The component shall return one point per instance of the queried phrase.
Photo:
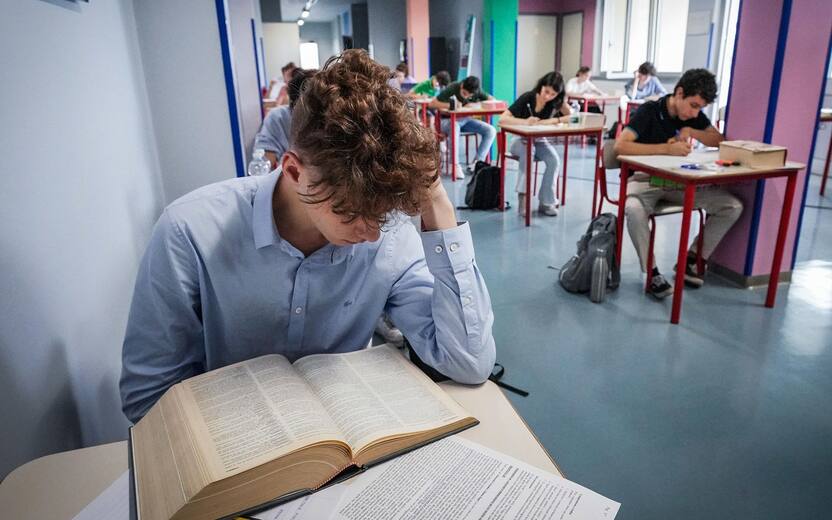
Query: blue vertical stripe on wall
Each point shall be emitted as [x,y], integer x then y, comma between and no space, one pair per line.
[231,95]
[257,68]
[812,150]
[771,112]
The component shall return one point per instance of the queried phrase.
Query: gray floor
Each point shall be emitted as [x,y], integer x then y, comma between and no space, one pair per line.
[726,415]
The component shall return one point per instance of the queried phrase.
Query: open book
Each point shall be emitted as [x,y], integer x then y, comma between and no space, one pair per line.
[263,431]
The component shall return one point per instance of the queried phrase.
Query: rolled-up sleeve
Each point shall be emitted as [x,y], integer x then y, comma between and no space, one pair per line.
[162,344]
[440,302]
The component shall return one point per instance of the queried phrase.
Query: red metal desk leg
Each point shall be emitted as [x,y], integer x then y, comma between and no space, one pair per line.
[565,161]
[681,259]
[529,142]
[785,215]
[501,150]
[622,196]
[826,168]
[453,147]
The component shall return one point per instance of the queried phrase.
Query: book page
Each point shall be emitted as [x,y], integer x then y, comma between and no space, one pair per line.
[375,392]
[460,479]
[257,410]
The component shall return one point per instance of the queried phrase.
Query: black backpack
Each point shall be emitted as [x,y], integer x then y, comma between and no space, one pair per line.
[593,269]
[483,191]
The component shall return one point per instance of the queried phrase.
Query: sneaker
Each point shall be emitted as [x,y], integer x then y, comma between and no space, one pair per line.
[660,288]
[550,210]
[386,329]
[460,172]
[693,279]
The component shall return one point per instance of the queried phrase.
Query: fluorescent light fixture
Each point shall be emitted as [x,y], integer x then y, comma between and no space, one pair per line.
[300,21]
[304,14]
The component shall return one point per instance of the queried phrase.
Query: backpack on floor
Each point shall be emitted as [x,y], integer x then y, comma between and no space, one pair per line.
[593,269]
[483,191]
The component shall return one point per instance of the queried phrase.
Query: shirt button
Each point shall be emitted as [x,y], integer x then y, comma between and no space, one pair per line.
[298,310]
[454,247]
[467,300]
[438,249]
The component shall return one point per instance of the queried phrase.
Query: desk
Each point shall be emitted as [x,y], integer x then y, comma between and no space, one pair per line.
[58,486]
[463,112]
[826,117]
[587,99]
[591,124]
[420,106]
[668,167]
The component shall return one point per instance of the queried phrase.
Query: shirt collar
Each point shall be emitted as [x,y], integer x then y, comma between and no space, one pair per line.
[265,230]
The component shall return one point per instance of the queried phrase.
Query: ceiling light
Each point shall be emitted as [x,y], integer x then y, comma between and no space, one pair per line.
[304,14]
[300,21]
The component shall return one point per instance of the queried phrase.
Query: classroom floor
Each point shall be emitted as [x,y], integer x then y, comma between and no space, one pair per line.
[726,415]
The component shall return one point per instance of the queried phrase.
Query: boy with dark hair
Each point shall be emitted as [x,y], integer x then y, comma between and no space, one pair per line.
[466,91]
[665,127]
[273,136]
[431,86]
[304,260]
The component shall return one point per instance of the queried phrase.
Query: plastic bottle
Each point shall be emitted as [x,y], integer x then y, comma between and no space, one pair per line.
[259,165]
[452,103]
[575,116]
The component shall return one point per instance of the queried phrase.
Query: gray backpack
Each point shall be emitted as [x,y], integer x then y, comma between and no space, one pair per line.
[593,269]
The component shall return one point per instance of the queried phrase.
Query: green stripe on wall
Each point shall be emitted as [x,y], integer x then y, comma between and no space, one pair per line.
[498,70]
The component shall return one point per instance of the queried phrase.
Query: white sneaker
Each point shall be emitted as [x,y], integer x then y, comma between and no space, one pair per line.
[460,172]
[385,329]
[550,210]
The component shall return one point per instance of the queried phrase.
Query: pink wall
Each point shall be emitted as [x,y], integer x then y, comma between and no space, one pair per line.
[794,124]
[794,120]
[568,6]
[750,87]
[418,30]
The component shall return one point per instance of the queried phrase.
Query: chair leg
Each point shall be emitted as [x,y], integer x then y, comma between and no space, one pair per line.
[467,151]
[700,262]
[651,222]
[536,164]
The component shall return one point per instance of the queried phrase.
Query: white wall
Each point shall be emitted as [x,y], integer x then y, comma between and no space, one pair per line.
[80,192]
[182,60]
[320,33]
[243,49]
[281,42]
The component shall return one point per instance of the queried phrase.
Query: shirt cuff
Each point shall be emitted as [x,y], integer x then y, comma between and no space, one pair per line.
[449,248]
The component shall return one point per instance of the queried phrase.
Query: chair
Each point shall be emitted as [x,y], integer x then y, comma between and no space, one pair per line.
[504,154]
[600,194]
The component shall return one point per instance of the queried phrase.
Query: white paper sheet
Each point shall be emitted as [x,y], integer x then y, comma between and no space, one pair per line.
[113,503]
[453,478]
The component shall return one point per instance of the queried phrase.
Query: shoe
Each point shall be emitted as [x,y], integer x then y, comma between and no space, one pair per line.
[660,288]
[460,172]
[386,329]
[692,277]
[521,204]
[550,210]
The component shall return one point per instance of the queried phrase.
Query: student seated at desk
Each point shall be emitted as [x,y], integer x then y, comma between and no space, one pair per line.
[431,86]
[665,127]
[645,84]
[304,260]
[581,86]
[273,136]
[288,72]
[466,91]
[544,105]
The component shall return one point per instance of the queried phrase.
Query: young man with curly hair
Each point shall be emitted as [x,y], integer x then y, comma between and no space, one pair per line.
[304,260]
[666,127]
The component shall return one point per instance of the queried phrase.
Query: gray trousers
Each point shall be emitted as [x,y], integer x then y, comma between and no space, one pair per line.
[722,209]
[542,150]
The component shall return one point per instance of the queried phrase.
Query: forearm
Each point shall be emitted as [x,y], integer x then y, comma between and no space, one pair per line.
[707,137]
[511,120]
[439,105]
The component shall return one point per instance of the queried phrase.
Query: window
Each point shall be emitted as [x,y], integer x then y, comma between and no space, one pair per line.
[309,56]
[635,31]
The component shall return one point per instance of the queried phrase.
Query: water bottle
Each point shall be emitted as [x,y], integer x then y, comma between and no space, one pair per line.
[259,165]
[452,103]
[575,116]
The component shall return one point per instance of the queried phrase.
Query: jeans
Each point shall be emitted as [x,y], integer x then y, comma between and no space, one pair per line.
[486,132]
[542,150]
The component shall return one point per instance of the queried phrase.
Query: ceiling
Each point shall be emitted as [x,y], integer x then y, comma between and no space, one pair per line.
[322,11]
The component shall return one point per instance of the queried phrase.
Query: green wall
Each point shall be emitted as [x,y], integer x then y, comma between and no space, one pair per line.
[498,49]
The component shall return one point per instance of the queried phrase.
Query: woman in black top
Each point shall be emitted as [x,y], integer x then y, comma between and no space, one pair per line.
[545,105]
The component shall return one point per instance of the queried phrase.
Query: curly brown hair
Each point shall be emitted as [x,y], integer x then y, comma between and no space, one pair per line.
[370,153]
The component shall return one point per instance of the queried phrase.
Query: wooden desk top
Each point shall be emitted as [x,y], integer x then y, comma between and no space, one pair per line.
[59,486]
[590,97]
[479,111]
[671,166]
[421,101]
[589,123]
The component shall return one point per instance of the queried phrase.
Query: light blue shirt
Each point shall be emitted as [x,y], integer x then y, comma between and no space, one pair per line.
[653,87]
[276,131]
[218,285]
